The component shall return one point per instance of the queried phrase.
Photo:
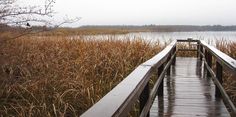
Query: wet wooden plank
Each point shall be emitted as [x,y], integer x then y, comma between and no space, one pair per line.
[188,94]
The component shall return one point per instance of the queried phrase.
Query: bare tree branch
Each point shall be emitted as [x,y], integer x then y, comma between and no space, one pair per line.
[30,31]
[22,16]
[10,12]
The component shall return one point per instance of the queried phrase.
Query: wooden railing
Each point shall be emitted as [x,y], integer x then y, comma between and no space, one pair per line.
[206,53]
[119,101]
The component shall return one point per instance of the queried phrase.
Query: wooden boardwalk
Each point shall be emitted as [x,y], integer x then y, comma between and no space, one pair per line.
[188,94]
[181,90]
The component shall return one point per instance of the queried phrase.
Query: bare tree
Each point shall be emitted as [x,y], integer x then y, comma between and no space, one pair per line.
[12,14]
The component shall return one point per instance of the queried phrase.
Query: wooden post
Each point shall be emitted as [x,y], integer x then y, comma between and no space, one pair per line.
[209,62]
[219,74]
[205,68]
[168,70]
[143,98]
[160,88]
[201,50]
[198,47]
[174,59]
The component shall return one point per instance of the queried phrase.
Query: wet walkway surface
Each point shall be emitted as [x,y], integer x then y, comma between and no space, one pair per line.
[188,94]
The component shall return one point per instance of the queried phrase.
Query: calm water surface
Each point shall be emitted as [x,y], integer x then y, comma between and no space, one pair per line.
[210,37]
[231,36]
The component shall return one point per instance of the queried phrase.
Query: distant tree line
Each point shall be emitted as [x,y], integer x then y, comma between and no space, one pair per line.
[164,28]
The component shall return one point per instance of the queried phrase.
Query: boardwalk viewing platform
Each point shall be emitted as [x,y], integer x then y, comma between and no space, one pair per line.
[188,93]
[184,86]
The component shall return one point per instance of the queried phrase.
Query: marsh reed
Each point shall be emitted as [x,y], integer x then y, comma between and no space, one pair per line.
[54,76]
[57,76]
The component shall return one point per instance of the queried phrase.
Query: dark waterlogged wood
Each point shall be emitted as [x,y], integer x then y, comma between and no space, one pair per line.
[187,93]
[219,74]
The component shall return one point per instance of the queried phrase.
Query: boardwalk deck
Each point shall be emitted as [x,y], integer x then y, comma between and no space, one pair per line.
[188,94]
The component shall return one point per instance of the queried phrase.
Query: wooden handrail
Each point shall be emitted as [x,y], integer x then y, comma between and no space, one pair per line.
[161,57]
[155,87]
[206,52]
[221,57]
[119,101]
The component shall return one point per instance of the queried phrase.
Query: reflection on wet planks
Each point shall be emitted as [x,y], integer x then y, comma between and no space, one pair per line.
[188,94]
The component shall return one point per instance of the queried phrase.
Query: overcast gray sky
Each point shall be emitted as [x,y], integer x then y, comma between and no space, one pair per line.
[144,12]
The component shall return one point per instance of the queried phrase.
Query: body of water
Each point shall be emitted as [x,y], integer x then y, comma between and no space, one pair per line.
[230,36]
[209,37]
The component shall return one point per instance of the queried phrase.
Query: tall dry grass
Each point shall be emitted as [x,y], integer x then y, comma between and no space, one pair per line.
[229,80]
[54,76]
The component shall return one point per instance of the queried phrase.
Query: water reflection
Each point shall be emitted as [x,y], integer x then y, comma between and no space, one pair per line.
[170,87]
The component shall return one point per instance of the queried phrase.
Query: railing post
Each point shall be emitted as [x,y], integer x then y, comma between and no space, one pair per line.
[201,51]
[205,54]
[174,59]
[161,86]
[198,47]
[168,70]
[219,74]
[209,62]
[143,98]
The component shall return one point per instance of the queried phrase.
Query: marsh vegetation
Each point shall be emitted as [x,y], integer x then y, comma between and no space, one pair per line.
[56,76]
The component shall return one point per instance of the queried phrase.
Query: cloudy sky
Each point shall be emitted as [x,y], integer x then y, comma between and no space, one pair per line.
[142,12]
